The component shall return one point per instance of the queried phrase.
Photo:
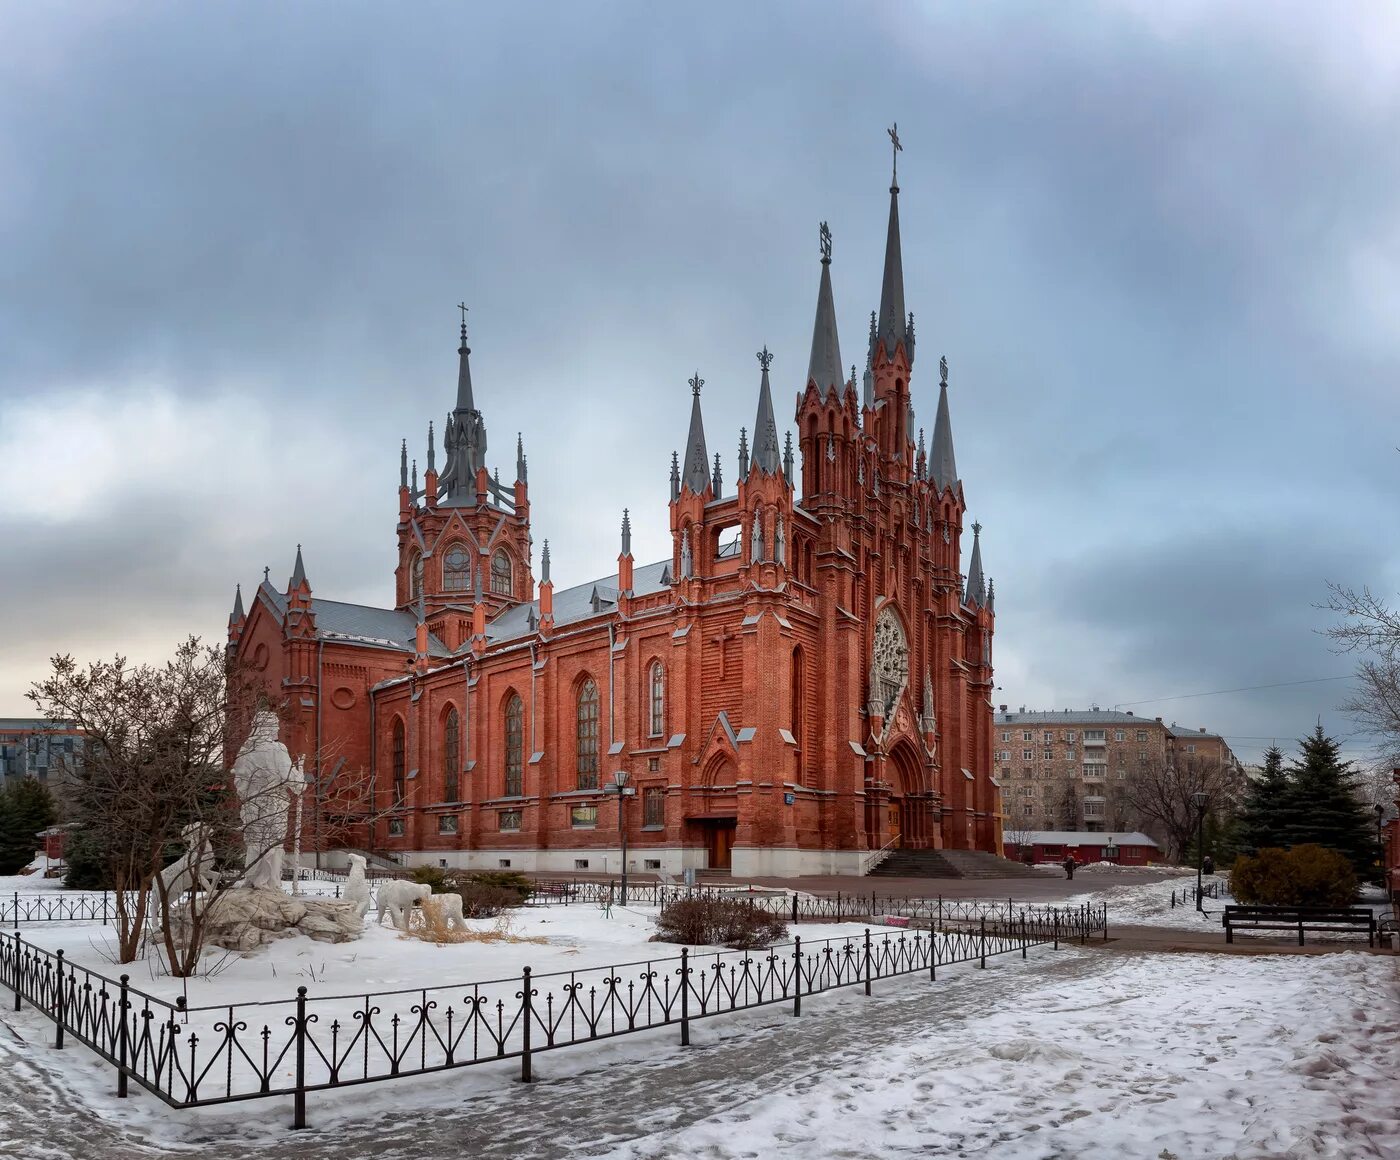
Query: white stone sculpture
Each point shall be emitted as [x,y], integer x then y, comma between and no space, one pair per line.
[445,911]
[246,920]
[397,899]
[192,870]
[264,776]
[356,888]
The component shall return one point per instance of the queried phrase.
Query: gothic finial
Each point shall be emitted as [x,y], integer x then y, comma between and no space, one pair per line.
[853,376]
[626,533]
[414,477]
[765,360]
[675,475]
[432,453]
[976,529]
[520,469]
[716,481]
[943,370]
[462,306]
[403,464]
[909,329]
[544,564]
[893,131]
[825,234]
[743,453]
[696,382]
[787,458]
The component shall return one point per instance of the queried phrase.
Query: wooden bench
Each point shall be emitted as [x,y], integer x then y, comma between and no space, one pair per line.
[1299,918]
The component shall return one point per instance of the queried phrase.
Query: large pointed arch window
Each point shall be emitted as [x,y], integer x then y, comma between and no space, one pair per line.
[399,758]
[451,756]
[515,747]
[656,716]
[587,733]
[502,574]
[415,576]
[457,569]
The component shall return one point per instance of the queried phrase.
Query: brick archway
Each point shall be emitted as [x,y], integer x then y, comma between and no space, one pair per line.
[906,812]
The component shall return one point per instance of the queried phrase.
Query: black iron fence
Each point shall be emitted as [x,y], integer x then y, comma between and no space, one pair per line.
[1187,895]
[192,1056]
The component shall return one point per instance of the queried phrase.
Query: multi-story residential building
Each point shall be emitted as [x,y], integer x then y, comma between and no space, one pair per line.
[1068,769]
[35,747]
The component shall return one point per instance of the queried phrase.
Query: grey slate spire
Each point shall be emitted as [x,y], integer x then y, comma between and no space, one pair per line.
[976,585]
[544,564]
[626,533]
[696,475]
[891,327]
[716,480]
[675,476]
[767,456]
[787,459]
[298,573]
[942,466]
[520,466]
[464,437]
[465,402]
[237,614]
[743,453]
[403,464]
[824,367]
[432,452]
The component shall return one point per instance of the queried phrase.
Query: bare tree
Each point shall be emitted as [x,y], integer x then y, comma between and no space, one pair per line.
[1163,795]
[1018,836]
[152,772]
[1371,628]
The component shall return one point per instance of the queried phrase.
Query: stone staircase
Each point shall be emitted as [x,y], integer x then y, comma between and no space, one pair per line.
[950,864]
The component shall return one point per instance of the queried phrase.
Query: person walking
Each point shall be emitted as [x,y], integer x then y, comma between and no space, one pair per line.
[1069,865]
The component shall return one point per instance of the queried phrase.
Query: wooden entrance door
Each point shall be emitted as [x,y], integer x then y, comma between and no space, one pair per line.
[896,817]
[721,845]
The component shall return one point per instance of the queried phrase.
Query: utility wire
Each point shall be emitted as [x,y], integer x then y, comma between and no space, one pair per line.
[1220,692]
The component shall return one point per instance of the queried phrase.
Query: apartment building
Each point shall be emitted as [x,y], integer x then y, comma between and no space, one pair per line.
[35,747]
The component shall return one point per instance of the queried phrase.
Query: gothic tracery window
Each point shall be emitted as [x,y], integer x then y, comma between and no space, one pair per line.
[457,569]
[502,574]
[587,734]
[415,576]
[515,747]
[657,717]
[398,761]
[889,662]
[451,756]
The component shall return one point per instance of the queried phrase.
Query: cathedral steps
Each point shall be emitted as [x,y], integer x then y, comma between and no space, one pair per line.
[950,864]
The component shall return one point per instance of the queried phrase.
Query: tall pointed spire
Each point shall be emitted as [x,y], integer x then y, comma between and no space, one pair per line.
[432,450]
[942,467]
[696,475]
[716,479]
[824,367]
[403,464]
[464,367]
[298,573]
[521,474]
[626,533]
[976,586]
[890,329]
[464,436]
[767,454]
[787,459]
[237,614]
[675,476]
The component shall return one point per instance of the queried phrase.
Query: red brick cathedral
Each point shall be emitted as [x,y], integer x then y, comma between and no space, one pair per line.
[805,680]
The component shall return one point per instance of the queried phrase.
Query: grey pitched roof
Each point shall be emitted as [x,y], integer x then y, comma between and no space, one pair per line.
[942,465]
[336,619]
[1079,838]
[572,604]
[696,475]
[890,328]
[1181,731]
[976,583]
[1071,717]
[824,367]
[767,453]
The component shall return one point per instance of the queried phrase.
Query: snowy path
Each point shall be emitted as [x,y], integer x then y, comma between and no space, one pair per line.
[1079,1054]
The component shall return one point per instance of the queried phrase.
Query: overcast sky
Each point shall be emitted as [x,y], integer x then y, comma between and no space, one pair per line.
[1158,243]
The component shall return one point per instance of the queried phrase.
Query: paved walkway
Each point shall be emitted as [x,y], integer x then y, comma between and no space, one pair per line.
[1211,940]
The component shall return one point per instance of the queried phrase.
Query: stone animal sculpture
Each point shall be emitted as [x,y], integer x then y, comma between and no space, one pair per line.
[265,775]
[397,899]
[446,910]
[356,888]
[192,870]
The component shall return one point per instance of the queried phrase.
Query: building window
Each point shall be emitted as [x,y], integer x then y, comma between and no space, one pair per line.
[1049,755]
[1006,734]
[398,761]
[1122,775]
[1190,749]
[396,827]
[447,824]
[1093,735]
[1119,735]
[653,765]
[1028,755]
[415,576]
[457,569]
[654,806]
[1027,735]
[515,747]
[586,726]
[509,820]
[502,574]
[1095,771]
[583,817]
[451,756]
[1142,735]
[1093,809]
[1049,735]
[1071,736]
[656,723]
[1028,810]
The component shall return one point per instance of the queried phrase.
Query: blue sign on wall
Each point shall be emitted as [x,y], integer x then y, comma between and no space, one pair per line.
[789,798]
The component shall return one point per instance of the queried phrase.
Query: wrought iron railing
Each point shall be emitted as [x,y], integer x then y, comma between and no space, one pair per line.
[191,1056]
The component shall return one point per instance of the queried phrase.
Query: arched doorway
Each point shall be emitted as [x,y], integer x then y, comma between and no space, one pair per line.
[714,824]
[904,822]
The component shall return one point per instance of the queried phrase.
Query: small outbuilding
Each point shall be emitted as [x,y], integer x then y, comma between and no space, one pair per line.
[1135,849]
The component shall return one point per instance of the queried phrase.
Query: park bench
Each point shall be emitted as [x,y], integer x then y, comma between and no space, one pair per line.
[1299,918]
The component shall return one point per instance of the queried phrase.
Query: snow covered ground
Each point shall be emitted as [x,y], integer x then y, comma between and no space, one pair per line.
[1072,1055]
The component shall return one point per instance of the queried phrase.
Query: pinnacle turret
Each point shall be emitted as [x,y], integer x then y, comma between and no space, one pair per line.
[942,466]
[824,366]
[716,479]
[544,564]
[743,453]
[767,455]
[521,471]
[237,615]
[675,476]
[626,533]
[696,475]
[976,596]
[298,573]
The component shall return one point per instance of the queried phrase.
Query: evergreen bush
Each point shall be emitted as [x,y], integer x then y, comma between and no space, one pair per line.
[1306,875]
[26,808]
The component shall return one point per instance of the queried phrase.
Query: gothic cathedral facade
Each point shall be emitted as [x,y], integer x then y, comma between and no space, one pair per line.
[804,682]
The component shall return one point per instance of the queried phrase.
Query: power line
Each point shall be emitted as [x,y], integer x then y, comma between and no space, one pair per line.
[1221,692]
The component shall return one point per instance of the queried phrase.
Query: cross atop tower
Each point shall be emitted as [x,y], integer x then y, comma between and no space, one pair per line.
[765,360]
[696,382]
[462,306]
[893,131]
[825,234]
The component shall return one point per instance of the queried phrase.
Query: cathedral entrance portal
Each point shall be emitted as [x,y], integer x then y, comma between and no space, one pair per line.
[896,823]
[719,842]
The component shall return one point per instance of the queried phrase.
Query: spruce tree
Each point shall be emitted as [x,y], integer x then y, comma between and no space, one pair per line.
[1322,804]
[1260,822]
[25,809]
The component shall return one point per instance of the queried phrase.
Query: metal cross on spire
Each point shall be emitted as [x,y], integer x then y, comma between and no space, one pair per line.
[462,306]
[893,131]
[943,370]
[825,242]
[696,382]
[765,360]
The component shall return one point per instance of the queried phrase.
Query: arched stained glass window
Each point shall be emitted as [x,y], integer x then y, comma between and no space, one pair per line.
[457,569]
[451,756]
[502,574]
[415,576]
[515,747]
[398,761]
[587,726]
[656,726]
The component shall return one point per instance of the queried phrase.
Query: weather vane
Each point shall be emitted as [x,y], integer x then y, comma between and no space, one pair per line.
[893,131]
[696,382]
[943,370]
[765,360]
[826,242]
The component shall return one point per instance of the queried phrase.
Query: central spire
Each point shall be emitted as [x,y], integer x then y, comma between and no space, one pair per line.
[824,368]
[464,367]
[942,466]
[696,475]
[464,434]
[767,454]
[890,330]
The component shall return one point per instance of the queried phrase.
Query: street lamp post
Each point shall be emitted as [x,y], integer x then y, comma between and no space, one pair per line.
[1200,799]
[1380,840]
[620,787]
